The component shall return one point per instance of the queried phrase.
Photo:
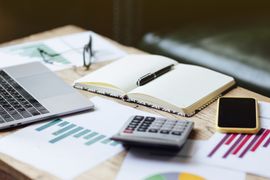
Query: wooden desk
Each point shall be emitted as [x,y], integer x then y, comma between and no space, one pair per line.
[204,120]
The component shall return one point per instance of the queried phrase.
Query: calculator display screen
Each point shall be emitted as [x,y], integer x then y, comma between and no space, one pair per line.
[237,112]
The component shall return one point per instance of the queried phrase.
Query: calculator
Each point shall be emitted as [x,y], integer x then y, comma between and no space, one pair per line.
[154,131]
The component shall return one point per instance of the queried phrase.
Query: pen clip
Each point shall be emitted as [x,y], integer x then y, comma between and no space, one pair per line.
[138,83]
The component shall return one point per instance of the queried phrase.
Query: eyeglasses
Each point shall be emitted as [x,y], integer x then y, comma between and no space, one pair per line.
[88,54]
[44,54]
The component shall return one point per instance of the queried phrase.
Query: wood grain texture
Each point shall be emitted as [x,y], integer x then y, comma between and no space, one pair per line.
[11,168]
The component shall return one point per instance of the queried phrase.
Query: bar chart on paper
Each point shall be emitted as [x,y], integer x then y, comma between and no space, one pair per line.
[244,152]
[54,53]
[32,51]
[67,147]
[61,130]
[239,145]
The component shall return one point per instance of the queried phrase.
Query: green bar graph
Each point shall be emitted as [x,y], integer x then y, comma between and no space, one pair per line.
[32,51]
[51,123]
[82,133]
[67,129]
[64,129]
[106,141]
[65,135]
[63,124]
[94,140]
[90,135]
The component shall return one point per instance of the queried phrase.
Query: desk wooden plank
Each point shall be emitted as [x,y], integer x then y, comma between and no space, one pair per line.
[204,120]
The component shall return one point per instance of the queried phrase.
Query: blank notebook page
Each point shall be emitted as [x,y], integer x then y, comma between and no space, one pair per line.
[184,85]
[125,72]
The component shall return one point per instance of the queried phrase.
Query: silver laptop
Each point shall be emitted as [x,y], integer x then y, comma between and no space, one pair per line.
[31,92]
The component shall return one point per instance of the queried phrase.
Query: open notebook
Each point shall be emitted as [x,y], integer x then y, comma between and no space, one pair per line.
[182,90]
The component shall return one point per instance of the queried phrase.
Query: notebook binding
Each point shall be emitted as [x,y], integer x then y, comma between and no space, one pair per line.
[97,91]
[175,112]
[125,98]
[157,107]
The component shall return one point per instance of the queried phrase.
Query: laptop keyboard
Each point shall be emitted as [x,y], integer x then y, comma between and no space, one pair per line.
[15,102]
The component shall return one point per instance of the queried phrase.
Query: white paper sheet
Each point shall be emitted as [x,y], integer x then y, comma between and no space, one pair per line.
[69,47]
[150,166]
[12,59]
[249,153]
[55,149]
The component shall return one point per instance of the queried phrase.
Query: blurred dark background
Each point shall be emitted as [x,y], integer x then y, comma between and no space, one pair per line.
[25,17]
[123,20]
[229,36]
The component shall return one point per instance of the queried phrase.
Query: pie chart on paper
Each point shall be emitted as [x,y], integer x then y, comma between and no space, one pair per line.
[175,176]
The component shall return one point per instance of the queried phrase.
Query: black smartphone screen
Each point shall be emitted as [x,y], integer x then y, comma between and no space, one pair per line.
[237,113]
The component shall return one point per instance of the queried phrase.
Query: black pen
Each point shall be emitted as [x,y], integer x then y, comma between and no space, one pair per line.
[151,76]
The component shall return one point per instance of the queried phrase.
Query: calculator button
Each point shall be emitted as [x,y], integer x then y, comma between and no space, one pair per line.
[148,122]
[135,121]
[153,130]
[155,127]
[181,122]
[179,125]
[170,122]
[161,123]
[144,127]
[128,131]
[138,118]
[164,131]
[160,120]
[149,118]
[176,133]
[167,126]
[178,129]
[157,124]
[132,126]
[141,130]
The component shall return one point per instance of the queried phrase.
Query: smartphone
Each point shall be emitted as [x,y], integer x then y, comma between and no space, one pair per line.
[237,115]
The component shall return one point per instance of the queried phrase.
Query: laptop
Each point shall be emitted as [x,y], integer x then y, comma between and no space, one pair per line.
[31,92]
